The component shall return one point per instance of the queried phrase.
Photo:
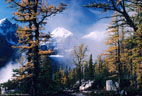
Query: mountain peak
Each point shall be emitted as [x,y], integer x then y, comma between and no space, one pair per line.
[61,32]
[8,30]
[4,21]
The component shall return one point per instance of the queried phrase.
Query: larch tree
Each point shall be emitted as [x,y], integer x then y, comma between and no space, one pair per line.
[60,78]
[98,66]
[123,7]
[79,57]
[136,50]
[114,51]
[33,14]
[137,57]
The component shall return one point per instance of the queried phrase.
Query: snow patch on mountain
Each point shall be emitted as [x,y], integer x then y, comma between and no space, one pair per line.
[2,21]
[61,33]
[62,43]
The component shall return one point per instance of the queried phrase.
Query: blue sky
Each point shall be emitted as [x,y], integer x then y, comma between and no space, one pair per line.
[75,18]
[5,12]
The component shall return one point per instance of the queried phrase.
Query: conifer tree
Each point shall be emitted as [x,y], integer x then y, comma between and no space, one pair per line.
[86,71]
[91,70]
[114,51]
[99,66]
[137,57]
[45,76]
[123,7]
[33,13]
[60,78]
[79,57]
[72,75]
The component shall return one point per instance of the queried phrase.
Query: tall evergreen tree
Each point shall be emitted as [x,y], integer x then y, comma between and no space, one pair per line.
[86,71]
[91,69]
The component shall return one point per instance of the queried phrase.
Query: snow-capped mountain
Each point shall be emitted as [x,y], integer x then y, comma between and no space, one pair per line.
[8,31]
[61,33]
[64,40]
[59,37]
[7,39]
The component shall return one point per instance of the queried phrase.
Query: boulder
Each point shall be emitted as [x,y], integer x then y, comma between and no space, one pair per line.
[110,86]
[86,85]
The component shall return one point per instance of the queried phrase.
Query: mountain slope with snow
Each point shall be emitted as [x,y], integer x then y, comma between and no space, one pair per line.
[8,31]
[7,39]
[63,39]
[61,33]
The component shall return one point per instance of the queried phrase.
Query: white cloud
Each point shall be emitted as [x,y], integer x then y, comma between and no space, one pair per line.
[95,35]
[7,72]
[98,30]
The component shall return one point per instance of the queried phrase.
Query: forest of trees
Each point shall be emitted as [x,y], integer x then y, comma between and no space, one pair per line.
[121,62]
